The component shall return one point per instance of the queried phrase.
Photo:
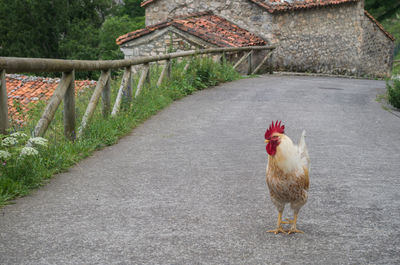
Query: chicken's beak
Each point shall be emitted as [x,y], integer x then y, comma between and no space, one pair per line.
[266,141]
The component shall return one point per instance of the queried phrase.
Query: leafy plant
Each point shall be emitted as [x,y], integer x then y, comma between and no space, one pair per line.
[393,91]
[19,153]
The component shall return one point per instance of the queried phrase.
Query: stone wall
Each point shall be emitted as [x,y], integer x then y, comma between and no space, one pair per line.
[377,50]
[161,42]
[243,13]
[321,40]
[338,39]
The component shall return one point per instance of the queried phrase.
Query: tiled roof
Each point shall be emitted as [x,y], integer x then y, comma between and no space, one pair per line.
[30,89]
[146,2]
[285,5]
[273,6]
[379,25]
[206,26]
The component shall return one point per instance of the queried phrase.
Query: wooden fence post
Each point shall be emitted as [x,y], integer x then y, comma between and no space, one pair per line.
[169,68]
[271,65]
[148,76]
[162,75]
[223,58]
[142,79]
[52,105]
[250,63]
[69,109]
[106,96]
[128,90]
[3,103]
[124,83]
[186,67]
[94,100]
[262,62]
[241,60]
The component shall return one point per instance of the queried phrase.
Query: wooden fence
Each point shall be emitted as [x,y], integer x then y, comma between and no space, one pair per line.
[66,91]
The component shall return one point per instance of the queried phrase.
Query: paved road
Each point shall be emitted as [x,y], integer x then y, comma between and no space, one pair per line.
[188,186]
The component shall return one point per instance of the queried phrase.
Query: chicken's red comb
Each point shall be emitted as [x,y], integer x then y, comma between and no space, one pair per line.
[274,128]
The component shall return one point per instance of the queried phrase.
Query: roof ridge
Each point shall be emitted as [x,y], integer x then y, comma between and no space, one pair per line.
[165,23]
[273,6]
[390,36]
[188,23]
[195,14]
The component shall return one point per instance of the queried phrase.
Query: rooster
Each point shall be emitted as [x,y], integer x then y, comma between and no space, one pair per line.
[287,174]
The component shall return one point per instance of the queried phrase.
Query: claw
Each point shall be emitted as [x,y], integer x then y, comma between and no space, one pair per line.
[292,231]
[277,230]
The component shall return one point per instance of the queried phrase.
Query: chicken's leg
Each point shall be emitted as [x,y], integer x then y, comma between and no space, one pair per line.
[288,221]
[293,222]
[279,228]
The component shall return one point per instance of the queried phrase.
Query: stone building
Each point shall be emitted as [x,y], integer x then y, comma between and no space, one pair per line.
[323,36]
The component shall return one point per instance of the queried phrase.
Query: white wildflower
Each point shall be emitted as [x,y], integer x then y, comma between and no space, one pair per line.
[38,141]
[29,151]
[4,155]
[18,135]
[9,141]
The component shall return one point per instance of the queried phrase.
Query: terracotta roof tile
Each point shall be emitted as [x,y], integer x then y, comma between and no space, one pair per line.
[284,5]
[379,25]
[30,89]
[273,6]
[204,25]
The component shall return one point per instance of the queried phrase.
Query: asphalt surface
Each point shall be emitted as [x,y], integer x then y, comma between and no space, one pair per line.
[188,186]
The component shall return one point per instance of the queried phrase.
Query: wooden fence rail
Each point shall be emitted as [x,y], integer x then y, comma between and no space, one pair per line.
[66,91]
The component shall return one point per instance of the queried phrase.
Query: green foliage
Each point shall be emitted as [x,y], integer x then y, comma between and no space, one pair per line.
[393,91]
[111,29]
[23,162]
[382,9]
[396,66]
[392,25]
[33,28]
[130,8]
[18,176]
[67,29]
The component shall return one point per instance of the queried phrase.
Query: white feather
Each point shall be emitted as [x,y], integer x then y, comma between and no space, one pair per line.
[290,157]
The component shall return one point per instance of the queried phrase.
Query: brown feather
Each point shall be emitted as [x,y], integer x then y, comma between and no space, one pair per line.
[287,186]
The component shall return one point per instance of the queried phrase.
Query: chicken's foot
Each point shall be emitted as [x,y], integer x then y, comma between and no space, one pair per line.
[279,228]
[293,228]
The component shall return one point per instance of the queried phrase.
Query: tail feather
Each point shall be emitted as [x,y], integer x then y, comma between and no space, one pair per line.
[303,151]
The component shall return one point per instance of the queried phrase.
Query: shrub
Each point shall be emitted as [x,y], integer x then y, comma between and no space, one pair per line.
[393,91]
[20,164]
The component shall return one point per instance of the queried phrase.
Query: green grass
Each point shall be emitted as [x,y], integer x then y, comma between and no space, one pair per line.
[393,93]
[18,176]
[392,25]
[392,96]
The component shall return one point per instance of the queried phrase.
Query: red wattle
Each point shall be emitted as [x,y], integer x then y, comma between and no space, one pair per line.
[271,149]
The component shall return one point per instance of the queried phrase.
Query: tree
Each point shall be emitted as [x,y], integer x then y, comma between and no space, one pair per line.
[27,28]
[51,28]
[382,9]
[111,29]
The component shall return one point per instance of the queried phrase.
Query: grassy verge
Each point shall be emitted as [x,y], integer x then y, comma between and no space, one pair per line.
[392,25]
[392,95]
[21,171]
